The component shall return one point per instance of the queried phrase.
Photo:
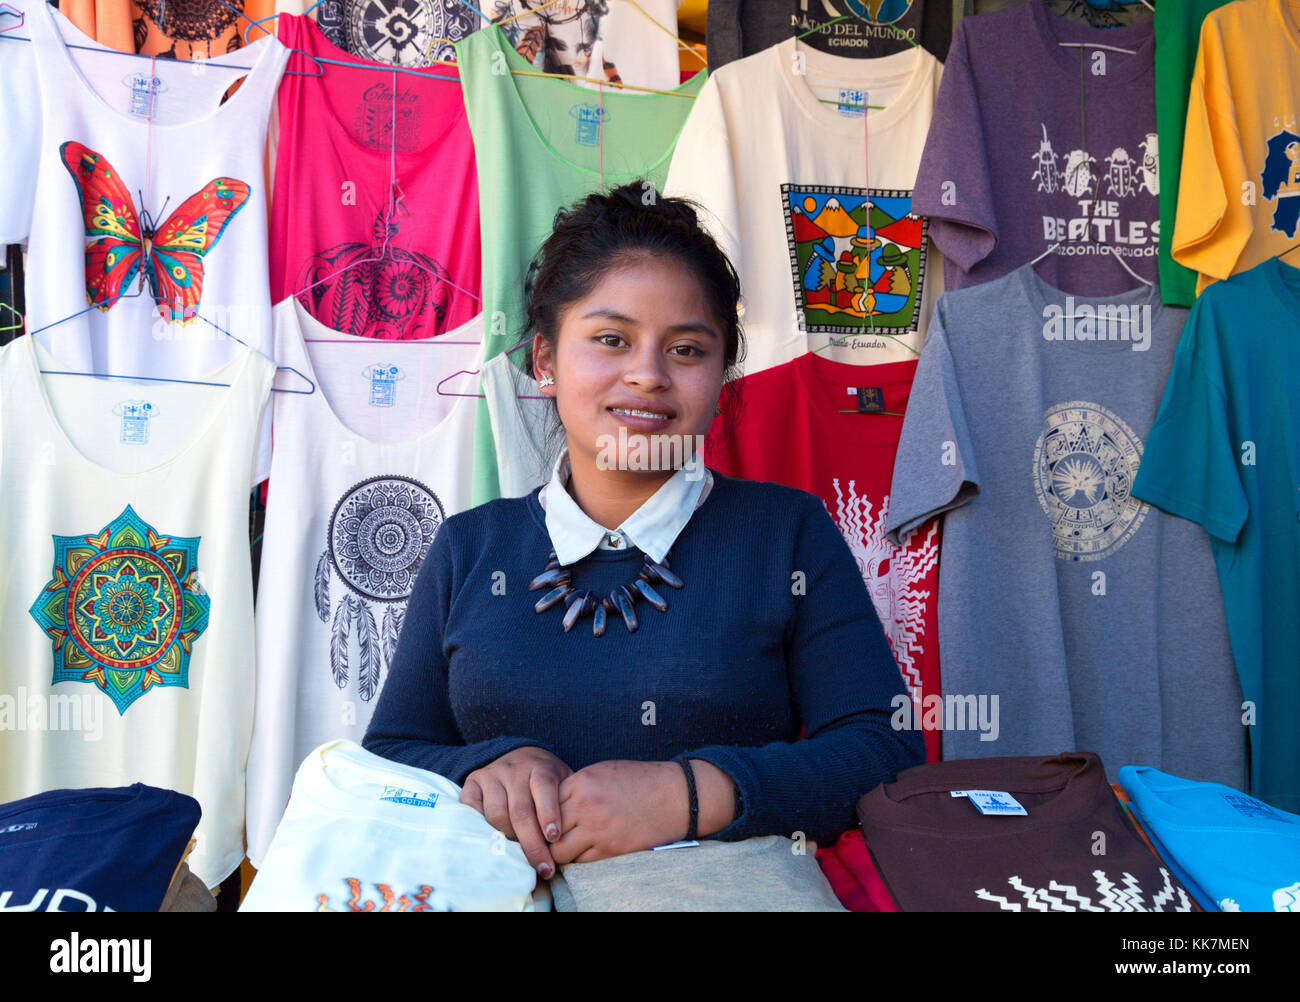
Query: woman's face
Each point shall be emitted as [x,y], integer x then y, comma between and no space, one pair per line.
[639,358]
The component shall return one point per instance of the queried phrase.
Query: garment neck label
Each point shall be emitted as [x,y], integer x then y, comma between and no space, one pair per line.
[871,399]
[144,90]
[135,415]
[590,119]
[413,798]
[853,103]
[383,384]
[992,801]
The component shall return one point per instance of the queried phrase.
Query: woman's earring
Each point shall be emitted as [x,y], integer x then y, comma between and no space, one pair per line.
[546,381]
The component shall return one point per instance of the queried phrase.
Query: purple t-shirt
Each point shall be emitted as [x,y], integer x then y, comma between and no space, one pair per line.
[1025,150]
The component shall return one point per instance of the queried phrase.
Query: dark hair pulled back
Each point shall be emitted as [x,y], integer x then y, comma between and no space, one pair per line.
[608,231]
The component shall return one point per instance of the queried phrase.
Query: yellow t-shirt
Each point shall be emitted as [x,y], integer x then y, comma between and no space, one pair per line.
[1239,194]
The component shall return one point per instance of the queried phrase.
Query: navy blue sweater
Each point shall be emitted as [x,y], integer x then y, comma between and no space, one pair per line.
[773,631]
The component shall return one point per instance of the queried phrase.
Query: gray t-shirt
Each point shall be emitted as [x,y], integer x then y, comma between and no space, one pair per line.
[1095,619]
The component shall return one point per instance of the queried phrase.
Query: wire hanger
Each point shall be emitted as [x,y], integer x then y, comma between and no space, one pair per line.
[474,372]
[22,20]
[364,65]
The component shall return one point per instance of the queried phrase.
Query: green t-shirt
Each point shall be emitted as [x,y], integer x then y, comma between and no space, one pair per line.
[542,144]
[1225,452]
[1178,33]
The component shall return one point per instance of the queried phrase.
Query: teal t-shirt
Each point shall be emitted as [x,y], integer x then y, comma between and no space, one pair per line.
[540,145]
[1178,34]
[1225,452]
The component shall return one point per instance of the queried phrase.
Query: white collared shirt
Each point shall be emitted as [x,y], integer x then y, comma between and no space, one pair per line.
[652,528]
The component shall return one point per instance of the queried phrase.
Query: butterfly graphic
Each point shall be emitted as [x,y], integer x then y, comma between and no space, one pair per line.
[168,256]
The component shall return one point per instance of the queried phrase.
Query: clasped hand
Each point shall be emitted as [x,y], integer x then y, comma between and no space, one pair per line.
[561,816]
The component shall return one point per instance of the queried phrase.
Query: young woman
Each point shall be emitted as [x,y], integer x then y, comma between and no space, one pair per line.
[682,627]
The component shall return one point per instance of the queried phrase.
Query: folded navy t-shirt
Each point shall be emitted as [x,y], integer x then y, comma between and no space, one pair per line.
[93,849]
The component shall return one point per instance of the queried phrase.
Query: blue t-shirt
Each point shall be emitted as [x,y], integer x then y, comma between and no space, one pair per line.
[1225,452]
[1242,854]
[93,849]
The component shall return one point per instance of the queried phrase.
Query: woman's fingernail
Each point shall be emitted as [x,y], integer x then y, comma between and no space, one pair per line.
[544,870]
[552,832]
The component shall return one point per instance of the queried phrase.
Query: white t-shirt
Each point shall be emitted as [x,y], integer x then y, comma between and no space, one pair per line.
[126,598]
[364,472]
[527,436]
[191,181]
[784,179]
[362,833]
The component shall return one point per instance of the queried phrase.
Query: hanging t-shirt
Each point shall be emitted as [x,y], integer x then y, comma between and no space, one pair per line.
[938,852]
[548,144]
[397,32]
[187,230]
[1239,197]
[364,472]
[606,41]
[170,30]
[126,606]
[1244,854]
[364,834]
[106,850]
[1034,143]
[525,427]
[738,28]
[1178,32]
[813,205]
[785,425]
[1225,453]
[1057,590]
[376,224]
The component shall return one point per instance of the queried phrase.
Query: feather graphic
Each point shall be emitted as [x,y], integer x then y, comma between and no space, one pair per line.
[323,587]
[368,642]
[392,630]
[339,644]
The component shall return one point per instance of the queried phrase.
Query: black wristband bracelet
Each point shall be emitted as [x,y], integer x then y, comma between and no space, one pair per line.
[693,833]
[740,802]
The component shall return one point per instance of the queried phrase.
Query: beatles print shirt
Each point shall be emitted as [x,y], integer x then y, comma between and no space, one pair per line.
[1038,142]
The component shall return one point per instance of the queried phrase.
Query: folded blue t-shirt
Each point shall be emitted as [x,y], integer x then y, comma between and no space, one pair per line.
[1238,851]
[93,849]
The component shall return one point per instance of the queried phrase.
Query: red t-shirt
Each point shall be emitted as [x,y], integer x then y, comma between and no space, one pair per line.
[785,427]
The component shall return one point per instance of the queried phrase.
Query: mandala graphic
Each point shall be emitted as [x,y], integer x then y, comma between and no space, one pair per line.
[377,537]
[1084,464]
[895,576]
[123,608]
[377,290]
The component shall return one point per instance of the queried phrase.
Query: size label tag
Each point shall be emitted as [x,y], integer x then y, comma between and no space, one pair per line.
[853,103]
[413,798]
[871,399]
[383,384]
[135,415]
[590,118]
[995,802]
[144,90]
